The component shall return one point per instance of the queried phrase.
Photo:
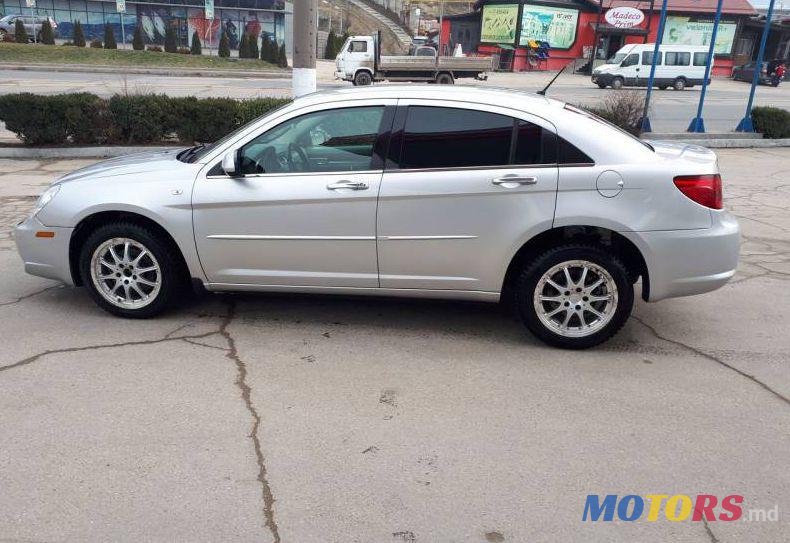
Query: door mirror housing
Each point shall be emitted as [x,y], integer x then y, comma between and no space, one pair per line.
[230,163]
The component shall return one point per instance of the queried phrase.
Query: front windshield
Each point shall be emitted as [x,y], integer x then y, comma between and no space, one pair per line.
[195,157]
[616,59]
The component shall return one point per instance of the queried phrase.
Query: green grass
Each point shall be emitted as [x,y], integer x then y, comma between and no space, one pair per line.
[18,53]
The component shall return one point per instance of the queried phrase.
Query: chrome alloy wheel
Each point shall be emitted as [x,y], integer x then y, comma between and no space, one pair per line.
[575,298]
[126,273]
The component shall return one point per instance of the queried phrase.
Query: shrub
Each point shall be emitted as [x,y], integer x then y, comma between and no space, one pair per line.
[79,35]
[244,46]
[109,37]
[623,108]
[171,45]
[20,34]
[196,48]
[282,58]
[47,34]
[154,48]
[253,50]
[330,51]
[87,118]
[204,120]
[35,119]
[140,118]
[224,46]
[251,109]
[266,47]
[772,122]
[138,43]
[96,44]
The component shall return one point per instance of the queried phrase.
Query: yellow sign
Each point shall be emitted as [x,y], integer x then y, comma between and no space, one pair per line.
[499,23]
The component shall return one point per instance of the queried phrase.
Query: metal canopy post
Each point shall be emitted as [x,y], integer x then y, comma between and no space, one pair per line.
[645,124]
[746,123]
[697,124]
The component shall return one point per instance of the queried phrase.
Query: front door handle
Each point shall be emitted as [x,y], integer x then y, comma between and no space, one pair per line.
[347,185]
[512,180]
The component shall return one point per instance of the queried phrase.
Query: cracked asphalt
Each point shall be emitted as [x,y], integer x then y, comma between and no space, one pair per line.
[294,418]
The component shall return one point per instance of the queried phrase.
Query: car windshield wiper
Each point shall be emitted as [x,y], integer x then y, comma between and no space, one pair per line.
[189,154]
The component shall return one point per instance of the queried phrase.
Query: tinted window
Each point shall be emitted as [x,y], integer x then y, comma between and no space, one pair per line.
[438,137]
[336,140]
[700,59]
[562,151]
[535,145]
[358,47]
[678,59]
[647,58]
[630,60]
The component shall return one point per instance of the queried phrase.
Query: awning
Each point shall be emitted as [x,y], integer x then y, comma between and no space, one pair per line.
[604,28]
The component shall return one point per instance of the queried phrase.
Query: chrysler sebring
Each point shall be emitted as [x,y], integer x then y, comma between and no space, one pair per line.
[423,191]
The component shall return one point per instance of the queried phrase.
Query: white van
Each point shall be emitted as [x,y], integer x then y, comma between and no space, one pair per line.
[679,66]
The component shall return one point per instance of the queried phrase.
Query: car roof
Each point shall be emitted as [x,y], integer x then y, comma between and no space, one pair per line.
[519,100]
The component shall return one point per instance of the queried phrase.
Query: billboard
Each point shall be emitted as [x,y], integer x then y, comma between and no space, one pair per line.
[499,23]
[554,25]
[690,31]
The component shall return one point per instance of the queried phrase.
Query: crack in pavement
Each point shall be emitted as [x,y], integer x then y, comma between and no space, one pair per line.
[703,354]
[241,382]
[712,537]
[246,394]
[31,295]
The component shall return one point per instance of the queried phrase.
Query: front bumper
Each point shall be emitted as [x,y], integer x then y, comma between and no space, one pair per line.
[602,79]
[340,75]
[45,257]
[688,262]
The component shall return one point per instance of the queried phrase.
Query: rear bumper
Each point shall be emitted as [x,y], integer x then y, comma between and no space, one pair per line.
[45,257]
[688,262]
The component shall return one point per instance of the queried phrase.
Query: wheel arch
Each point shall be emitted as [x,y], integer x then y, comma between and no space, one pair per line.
[606,238]
[90,222]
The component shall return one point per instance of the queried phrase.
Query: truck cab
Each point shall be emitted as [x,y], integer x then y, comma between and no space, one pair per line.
[356,60]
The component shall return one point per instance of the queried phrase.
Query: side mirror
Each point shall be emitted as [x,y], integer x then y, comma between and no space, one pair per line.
[230,164]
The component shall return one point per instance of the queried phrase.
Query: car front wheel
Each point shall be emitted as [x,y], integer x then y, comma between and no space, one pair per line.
[128,270]
[574,296]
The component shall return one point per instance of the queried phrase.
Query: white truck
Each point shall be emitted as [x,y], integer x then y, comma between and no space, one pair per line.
[678,66]
[360,62]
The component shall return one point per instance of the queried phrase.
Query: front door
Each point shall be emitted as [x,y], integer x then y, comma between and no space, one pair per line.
[303,210]
[464,197]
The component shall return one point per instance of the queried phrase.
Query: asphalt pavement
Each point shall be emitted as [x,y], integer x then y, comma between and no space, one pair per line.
[672,111]
[297,419]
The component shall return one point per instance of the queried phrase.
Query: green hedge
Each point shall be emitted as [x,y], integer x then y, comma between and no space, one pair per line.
[772,122]
[87,119]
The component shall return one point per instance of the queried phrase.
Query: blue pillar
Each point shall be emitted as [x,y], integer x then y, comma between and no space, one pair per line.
[746,123]
[697,124]
[645,119]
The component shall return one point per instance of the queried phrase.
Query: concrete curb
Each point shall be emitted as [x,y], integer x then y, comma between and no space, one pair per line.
[78,152]
[170,72]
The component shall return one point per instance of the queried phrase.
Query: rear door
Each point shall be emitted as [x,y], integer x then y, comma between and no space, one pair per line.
[465,185]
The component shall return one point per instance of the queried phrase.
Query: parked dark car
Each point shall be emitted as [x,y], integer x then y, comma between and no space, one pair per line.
[745,72]
[8,25]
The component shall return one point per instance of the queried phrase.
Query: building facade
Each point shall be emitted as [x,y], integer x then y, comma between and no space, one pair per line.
[186,16]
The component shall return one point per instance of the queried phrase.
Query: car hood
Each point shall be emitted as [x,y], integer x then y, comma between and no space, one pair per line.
[127,165]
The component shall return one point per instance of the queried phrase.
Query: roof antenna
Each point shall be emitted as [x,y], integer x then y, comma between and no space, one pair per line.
[542,92]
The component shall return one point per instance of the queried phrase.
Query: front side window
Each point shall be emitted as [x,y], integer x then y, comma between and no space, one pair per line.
[630,60]
[336,140]
[358,47]
[678,59]
[439,137]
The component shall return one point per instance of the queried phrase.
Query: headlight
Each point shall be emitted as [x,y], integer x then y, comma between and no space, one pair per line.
[46,198]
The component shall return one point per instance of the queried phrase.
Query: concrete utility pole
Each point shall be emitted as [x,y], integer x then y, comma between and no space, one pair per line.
[305,30]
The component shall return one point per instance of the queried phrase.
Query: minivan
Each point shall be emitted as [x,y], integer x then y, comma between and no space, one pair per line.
[678,66]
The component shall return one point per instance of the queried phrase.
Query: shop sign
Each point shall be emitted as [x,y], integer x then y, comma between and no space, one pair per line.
[693,31]
[624,17]
[209,8]
[557,26]
[499,23]
[120,6]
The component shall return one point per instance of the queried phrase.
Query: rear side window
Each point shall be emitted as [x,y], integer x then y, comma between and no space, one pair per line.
[678,59]
[647,58]
[700,59]
[439,137]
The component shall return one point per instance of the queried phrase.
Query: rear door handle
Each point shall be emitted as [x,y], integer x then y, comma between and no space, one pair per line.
[347,185]
[512,180]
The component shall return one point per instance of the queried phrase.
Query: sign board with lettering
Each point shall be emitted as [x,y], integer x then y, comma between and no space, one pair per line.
[624,17]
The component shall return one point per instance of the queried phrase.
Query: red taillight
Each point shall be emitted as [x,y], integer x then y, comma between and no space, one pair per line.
[703,189]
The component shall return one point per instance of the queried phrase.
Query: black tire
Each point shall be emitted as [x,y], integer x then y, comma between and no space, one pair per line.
[679,84]
[362,79]
[662,87]
[617,83]
[445,79]
[529,278]
[172,273]
[601,86]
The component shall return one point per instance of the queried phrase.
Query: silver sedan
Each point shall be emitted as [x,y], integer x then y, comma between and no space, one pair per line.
[460,193]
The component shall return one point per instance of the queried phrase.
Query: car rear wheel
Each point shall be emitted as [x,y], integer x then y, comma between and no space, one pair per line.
[617,83]
[679,84]
[128,270]
[445,79]
[362,79]
[574,296]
